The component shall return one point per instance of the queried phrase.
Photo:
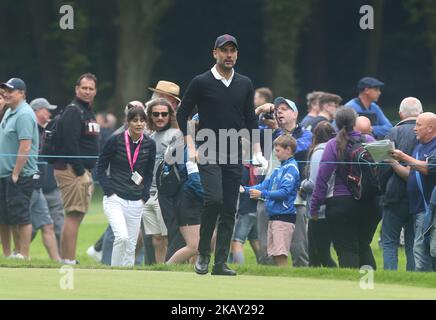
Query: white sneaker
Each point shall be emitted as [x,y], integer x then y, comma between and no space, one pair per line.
[17,256]
[68,261]
[96,255]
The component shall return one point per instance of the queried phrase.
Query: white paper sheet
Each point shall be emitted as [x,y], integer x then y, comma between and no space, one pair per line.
[380,150]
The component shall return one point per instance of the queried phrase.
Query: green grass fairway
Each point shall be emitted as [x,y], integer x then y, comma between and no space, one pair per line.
[40,278]
[128,284]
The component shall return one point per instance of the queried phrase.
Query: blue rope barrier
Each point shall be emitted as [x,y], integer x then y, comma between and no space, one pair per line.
[46,156]
[96,157]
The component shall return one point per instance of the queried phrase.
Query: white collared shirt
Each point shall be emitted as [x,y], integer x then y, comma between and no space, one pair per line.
[217,76]
[135,142]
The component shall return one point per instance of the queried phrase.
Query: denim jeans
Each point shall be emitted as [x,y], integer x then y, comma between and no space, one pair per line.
[262,228]
[39,211]
[299,246]
[421,247]
[246,228]
[108,243]
[395,217]
[433,232]
[56,208]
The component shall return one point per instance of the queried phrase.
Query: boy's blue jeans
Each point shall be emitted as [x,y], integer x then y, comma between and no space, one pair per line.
[421,248]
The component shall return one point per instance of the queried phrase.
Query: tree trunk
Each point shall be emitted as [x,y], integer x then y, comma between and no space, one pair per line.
[41,18]
[425,10]
[315,44]
[375,38]
[430,19]
[137,53]
[283,23]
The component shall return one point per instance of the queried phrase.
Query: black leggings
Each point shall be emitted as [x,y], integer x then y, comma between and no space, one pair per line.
[353,224]
[319,244]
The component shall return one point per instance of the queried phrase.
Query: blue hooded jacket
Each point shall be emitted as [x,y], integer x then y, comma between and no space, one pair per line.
[280,190]
[192,183]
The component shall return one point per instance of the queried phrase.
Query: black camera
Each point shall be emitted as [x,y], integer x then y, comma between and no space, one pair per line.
[268,116]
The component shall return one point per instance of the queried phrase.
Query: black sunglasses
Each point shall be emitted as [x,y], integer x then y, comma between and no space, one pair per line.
[130,106]
[157,114]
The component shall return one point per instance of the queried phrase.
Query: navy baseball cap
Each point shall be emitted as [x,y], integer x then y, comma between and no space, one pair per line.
[14,84]
[222,40]
[279,100]
[369,82]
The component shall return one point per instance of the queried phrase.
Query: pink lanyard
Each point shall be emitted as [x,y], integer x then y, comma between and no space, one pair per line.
[129,154]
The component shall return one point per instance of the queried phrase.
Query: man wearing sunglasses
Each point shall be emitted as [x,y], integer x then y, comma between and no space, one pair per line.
[225,101]
[158,210]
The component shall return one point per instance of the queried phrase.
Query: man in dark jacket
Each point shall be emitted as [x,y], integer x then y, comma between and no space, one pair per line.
[420,173]
[395,202]
[78,136]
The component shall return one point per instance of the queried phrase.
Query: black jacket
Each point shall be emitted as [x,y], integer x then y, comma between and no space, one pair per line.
[47,180]
[405,140]
[118,181]
[79,134]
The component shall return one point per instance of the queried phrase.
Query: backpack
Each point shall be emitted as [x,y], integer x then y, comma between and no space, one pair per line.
[51,137]
[361,172]
[252,177]
[168,179]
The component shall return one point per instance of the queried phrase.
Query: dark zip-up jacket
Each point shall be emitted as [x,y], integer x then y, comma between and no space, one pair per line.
[79,132]
[118,180]
[46,180]
[405,140]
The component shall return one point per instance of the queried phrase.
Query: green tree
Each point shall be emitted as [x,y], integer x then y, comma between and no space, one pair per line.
[375,38]
[425,10]
[283,22]
[138,21]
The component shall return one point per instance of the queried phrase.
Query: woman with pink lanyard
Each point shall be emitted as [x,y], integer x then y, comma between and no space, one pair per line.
[130,158]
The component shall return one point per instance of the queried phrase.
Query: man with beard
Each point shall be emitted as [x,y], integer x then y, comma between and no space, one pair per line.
[225,101]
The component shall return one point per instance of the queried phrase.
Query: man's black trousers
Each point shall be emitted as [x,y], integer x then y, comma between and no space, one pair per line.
[221,189]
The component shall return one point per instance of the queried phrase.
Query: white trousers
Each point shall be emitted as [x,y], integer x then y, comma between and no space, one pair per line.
[125,219]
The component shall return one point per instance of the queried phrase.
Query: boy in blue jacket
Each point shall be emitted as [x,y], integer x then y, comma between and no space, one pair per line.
[279,192]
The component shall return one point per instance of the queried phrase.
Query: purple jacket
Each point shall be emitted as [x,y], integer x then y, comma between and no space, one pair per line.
[326,171]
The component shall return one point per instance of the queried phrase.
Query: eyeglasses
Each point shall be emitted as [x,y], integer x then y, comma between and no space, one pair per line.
[157,114]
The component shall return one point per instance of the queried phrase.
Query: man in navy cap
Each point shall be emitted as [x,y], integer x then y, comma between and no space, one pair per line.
[365,105]
[18,136]
[225,101]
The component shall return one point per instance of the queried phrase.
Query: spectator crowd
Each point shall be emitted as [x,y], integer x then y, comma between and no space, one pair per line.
[297,203]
